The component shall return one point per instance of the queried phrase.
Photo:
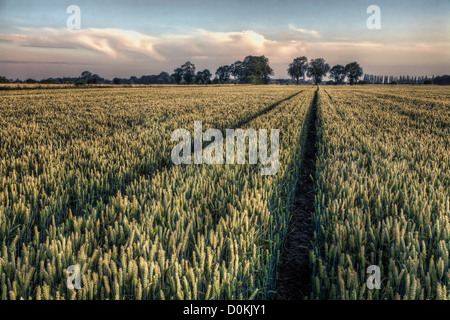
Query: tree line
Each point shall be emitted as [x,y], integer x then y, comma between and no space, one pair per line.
[251,70]
[318,68]
[377,79]
[256,70]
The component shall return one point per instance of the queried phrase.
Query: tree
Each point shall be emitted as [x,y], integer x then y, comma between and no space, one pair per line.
[238,71]
[203,77]
[95,79]
[338,73]
[354,71]
[223,73]
[86,76]
[298,68]
[188,72]
[442,80]
[257,69]
[215,80]
[3,80]
[199,78]
[134,80]
[178,75]
[317,69]
[206,76]
[116,80]
[163,77]
[89,78]
[254,69]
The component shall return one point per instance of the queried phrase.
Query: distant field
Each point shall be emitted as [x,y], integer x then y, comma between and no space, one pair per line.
[86,178]
[20,86]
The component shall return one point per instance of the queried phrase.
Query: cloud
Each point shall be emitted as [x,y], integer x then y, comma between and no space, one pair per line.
[125,45]
[313,33]
[117,52]
[115,43]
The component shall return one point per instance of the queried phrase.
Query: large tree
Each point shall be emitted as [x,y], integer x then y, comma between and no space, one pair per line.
[317,69]
[223,73]
[237,70]
[257,69]
[178,75]
[203,77]
[298,68]
[188,72]
[338,73]
[354,72]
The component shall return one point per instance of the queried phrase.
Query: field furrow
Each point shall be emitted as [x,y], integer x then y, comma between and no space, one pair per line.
[189,231]
[67,157]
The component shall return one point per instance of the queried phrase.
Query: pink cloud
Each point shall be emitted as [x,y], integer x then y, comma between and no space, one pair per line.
[117,52]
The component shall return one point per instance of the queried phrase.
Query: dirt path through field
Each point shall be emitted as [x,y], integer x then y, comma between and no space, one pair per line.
[294,275]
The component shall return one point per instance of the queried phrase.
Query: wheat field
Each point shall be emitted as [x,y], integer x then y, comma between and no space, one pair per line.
[86,179]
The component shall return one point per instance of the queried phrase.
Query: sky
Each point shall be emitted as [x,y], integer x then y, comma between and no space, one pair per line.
[135,38]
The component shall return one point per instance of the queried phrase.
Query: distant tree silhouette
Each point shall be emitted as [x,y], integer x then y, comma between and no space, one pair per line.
[238,71]
[442,80]
[317,69]
[354,71]
[298,68]
[223,73]
[86,74]
[163,77]
[178,75]
[134,80]
[338,73]
[203,77]
[188,72]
